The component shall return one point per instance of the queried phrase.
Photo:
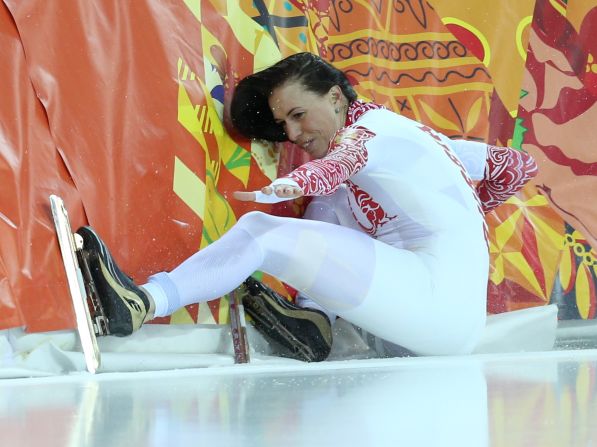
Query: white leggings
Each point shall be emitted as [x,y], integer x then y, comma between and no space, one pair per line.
[330,263]
[385,290]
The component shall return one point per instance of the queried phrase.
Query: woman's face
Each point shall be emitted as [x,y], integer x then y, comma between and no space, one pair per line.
[309,119]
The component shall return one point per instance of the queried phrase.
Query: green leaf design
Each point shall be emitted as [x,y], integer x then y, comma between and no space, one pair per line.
[240,158]
[519,131]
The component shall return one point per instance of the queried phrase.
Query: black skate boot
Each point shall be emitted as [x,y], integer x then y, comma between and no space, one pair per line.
[126,306]
[302,334]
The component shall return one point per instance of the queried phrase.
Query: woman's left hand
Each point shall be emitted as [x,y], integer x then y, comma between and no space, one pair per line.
[269,194]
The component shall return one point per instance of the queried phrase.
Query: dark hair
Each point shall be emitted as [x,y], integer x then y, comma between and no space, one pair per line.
[249,110]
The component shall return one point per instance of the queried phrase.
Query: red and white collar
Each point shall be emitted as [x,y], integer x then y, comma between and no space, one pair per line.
[357,108]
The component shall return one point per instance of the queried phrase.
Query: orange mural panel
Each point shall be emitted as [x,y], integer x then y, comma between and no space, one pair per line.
[121,108]
[558,112]
[107,83]
[401,55]
[31,275]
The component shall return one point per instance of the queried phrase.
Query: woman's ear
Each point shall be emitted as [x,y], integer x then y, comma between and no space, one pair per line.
[335,94]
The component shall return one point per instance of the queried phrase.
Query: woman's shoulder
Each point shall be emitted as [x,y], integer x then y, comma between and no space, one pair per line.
[380,115]
[358,108]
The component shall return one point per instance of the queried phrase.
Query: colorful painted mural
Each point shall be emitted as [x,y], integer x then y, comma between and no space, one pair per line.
[121,108]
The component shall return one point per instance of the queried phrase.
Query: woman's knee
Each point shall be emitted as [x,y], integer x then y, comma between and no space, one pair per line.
[254,218]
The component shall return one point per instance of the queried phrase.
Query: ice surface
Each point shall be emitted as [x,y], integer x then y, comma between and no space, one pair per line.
[523,399]
[177,385]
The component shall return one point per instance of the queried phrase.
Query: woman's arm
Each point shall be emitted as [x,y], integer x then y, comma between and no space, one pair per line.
[472,155]
[501,171]
[347,156]
[506,172]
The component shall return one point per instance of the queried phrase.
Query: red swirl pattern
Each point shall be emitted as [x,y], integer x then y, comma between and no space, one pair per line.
[374,213]
[347,156]
[506,172]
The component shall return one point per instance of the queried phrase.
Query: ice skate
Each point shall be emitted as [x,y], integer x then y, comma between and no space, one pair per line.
[125,305]
[88,314]
[302,334]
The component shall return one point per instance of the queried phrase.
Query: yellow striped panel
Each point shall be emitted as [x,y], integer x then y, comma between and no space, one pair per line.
[189,187]
[195,7]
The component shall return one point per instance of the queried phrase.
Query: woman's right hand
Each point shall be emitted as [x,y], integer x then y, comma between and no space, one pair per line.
[283,191]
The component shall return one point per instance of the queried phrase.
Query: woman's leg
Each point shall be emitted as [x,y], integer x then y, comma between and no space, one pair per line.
[313,257]
[388,291]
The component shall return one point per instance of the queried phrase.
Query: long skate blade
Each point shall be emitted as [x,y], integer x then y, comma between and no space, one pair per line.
[238,328]
[76,284]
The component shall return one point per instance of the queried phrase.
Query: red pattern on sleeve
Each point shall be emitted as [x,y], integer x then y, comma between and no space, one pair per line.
[506,172]
[347,156]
